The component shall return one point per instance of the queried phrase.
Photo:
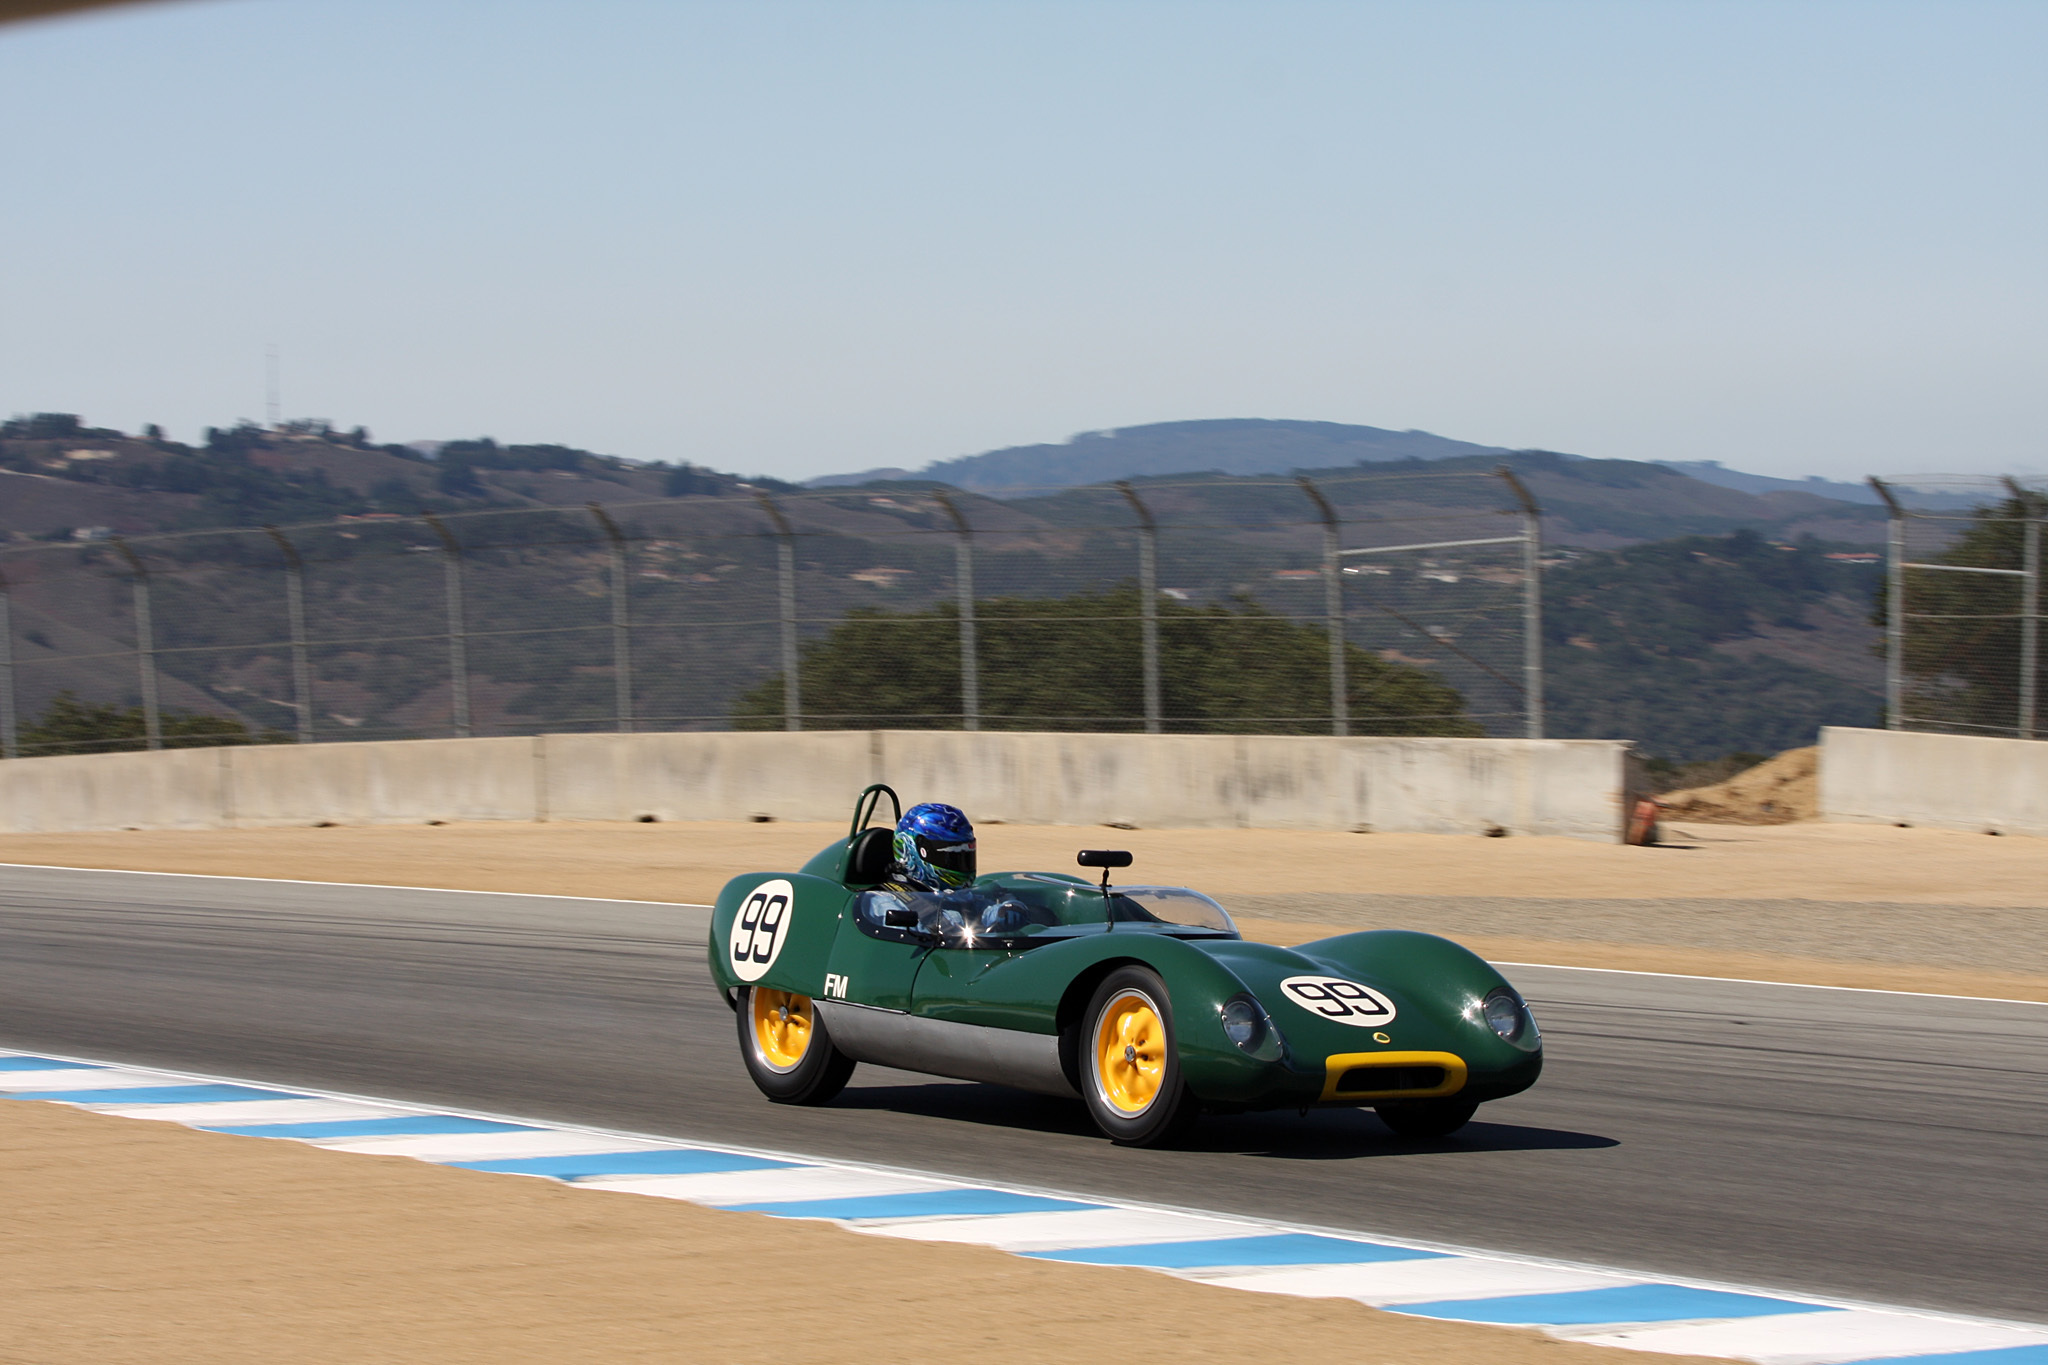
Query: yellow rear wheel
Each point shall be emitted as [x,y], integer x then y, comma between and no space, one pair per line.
[783,1023]
[1130,1052]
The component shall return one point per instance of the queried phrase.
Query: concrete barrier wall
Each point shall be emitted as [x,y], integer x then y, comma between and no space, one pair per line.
[1574,788]
[1945,781]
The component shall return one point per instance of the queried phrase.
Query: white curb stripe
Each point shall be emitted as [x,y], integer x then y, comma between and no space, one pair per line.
[765,1187]
[1816,1338]
[1388,1283]
[485,1146]
[1069,1231]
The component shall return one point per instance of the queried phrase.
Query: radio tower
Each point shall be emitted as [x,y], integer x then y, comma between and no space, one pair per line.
[273,408]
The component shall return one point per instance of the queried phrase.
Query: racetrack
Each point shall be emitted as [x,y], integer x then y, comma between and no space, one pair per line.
[1872,1146]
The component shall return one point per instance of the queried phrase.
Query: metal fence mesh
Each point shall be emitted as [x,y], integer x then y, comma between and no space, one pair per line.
[1962,609]
[1174,606]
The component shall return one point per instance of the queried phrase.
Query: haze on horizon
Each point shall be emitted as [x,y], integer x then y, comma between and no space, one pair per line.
[803,238]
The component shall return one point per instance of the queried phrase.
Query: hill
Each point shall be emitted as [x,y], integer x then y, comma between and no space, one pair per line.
[1703,646]
[1232,446]
[59,476]
[1674,619]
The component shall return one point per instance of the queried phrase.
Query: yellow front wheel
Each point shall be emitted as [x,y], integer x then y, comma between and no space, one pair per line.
[782,1027]
[1130,1052]
[787,1048]
[1133,1085]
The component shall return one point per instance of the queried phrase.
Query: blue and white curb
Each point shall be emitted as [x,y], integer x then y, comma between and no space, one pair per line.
[1582,1303]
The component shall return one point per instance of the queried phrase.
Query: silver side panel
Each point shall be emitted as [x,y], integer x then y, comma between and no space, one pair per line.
[967,1052]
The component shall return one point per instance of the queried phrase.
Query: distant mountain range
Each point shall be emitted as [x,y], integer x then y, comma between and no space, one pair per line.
[1228,446]
[1260,446]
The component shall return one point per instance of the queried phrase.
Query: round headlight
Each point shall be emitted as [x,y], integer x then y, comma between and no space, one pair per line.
[1510,1018]
[1244,1023]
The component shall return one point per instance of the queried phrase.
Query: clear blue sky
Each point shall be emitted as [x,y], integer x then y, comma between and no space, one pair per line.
[797,238]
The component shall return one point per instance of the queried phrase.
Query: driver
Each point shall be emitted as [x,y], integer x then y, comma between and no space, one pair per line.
[933,875]
[934,849]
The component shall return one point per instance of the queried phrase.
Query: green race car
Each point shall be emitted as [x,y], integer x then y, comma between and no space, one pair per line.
[1143,1001]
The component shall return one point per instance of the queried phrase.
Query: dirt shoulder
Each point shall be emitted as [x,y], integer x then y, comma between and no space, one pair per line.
[1850,905]
[131,1241]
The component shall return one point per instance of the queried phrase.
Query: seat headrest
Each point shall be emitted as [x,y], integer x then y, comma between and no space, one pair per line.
[870,856]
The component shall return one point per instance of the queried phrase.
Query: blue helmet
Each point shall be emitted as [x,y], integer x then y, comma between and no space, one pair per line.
[934,847]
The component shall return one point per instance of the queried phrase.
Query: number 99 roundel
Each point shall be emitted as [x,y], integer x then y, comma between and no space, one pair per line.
[1340,1001]
[759,929]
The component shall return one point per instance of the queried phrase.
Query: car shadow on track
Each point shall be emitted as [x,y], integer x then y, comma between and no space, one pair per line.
[1319,1135]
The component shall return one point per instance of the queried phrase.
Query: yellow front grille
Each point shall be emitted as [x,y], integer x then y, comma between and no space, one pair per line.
[1392,1075]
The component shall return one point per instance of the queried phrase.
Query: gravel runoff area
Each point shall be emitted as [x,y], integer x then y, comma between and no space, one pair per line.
[138,1243]
[1844,905]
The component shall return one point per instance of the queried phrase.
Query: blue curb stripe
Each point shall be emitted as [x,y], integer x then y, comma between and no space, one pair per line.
[1997,1355]
[1626,1303]
[1288,1248]
[666,1161]
[160,1094]
[926,1204]
[44,1064]
[405,1125]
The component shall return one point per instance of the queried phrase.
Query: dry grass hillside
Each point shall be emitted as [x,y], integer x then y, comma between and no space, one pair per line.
[1775,792]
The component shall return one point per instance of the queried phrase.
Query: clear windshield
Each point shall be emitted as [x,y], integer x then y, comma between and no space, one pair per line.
[1171,905]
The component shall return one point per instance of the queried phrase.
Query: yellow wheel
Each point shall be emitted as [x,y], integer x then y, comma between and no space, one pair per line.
[782,1028]
[788,1048]
[1132,1082]
[1130,1052]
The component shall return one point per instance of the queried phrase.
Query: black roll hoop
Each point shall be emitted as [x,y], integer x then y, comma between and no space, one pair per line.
[869,801]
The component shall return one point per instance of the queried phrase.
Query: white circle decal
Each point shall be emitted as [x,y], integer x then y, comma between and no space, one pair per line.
[1340,1001]
[759,928]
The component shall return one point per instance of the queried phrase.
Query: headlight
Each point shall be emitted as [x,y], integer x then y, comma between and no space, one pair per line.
[1510,1018]
[1244,1023]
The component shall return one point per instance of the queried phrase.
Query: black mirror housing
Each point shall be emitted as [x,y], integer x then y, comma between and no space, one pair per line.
[1103,857]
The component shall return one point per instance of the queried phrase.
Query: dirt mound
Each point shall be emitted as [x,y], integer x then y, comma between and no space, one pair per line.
[1777,791]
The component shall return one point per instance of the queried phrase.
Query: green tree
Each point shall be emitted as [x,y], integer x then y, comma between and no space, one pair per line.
[71,726]
[1073,663]
[1962,654]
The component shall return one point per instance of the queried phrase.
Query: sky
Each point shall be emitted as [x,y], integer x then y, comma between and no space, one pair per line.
[795,237]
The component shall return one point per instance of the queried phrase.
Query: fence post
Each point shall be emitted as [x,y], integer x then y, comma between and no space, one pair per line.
[1148,596]
[2030,606]
[145,647]
[10,740]
[622,621]
[1333,608]
[295,615]
[1532,601]
[963,588]
[1895,609]
[458,629]
[785,560]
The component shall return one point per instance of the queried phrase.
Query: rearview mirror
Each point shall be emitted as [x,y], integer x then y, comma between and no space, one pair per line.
[1103,857]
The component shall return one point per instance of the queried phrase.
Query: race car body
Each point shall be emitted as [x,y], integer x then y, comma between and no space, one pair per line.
[1141,1000]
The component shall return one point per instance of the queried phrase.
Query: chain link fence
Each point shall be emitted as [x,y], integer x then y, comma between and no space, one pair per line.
[1391,603]
[1962,606]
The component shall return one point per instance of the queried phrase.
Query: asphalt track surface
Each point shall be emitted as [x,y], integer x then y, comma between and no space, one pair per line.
[1872,1146]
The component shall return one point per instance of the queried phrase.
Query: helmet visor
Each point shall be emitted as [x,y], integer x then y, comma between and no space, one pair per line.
[953,858]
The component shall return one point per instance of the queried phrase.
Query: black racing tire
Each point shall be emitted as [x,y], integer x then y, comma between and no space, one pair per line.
[1426,1119]
[1139,1099]
[788,1070]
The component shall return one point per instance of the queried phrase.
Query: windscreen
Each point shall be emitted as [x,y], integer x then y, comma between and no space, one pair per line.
[1171,905]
